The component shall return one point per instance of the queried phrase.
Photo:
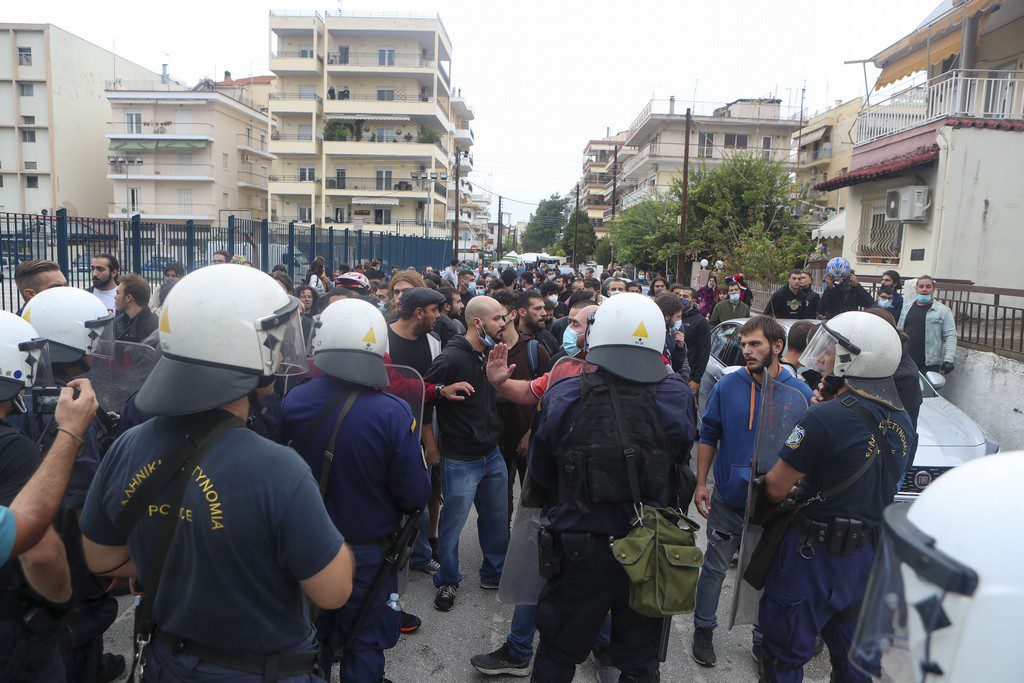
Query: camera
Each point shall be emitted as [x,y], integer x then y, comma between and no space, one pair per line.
[44,400]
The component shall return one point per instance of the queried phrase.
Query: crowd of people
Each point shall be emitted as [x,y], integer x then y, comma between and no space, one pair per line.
[368,374]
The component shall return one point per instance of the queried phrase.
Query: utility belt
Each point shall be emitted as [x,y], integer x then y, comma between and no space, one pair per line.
[270,667]
[841,536]
[41,631]
[575,546]
[384,542]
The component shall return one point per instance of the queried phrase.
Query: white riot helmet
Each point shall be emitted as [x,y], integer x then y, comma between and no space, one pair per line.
[350,342]
[944,595]
[23,358]
[860,348]
[74,322]
[222,331]
[627,337]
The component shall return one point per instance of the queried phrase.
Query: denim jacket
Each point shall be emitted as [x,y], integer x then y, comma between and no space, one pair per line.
[939,334]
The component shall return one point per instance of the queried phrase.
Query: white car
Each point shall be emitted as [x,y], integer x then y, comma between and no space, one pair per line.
[947,437]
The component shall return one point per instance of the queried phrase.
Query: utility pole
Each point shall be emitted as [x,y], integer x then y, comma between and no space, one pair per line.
[681,260]
[576,227]
[498,252]
[458,194]
[615,178]
[800,131]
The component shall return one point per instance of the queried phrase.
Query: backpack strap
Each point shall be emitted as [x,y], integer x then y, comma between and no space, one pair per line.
[531,356]
[628,451]
[325,468]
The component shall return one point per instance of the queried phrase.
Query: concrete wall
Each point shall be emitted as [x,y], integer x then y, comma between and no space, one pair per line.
[988,388]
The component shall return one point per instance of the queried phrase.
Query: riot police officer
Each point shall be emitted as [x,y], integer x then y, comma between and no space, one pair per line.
[363,444]
[77,327]
[225,529]
[577,416]
[848,453]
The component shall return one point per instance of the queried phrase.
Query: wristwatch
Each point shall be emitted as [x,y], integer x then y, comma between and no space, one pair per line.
[438,388]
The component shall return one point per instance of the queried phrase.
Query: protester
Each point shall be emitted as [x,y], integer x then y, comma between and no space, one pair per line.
[907,377]
[316,276]
[220,256]
[105,271]
[400,282]
[37,275]
[532,319]
[671,307]
[174,270]
[793,301]
[575,302]
[930,329]
[134,321]
[698,338]
[796,341]
[892,278]
[659,285]
[842,291]
[708,296]
[884,297]
[730,308]
[448,325]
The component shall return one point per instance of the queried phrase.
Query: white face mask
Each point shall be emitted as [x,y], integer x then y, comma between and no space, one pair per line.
[553,299]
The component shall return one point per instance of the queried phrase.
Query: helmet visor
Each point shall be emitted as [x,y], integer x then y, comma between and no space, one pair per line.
[820,354]
[100,333]
[283,341]
[36,372]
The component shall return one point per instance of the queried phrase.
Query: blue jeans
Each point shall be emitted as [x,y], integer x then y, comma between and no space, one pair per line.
[520,636]
[725,529]
[422,553]
[482,482]
[163,666]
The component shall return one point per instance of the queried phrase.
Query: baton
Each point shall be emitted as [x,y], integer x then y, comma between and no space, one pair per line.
[666,631]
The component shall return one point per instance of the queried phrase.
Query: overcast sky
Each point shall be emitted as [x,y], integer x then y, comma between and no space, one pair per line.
[543,76]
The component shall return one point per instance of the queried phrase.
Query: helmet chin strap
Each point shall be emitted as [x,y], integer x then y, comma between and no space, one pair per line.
[18,405]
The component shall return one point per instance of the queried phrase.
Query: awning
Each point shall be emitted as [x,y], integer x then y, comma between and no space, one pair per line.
[883,169]
[154,145]
[910,54]
[812,136]
[833,228]
[367,117]
[379,201]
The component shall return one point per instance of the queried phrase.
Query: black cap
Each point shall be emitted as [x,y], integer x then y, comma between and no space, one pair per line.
[420,297]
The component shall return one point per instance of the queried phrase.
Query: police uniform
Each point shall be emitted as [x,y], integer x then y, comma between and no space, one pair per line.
[575,422]
[265,417]
[377,475]
[818,580]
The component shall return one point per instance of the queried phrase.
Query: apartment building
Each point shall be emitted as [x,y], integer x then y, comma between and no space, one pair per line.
[658,140]
[365,137]
[934,184]
[53,115]
[180,153]
[599,190]
[824,148]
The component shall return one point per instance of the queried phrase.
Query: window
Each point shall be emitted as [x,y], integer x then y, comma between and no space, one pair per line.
[134,198]
[385,56]
[224,160]
[383,178]
[133,122]
[1,181]
[28,120]
[382,216]
[32,182]
[343,54]
[305,132]
[24,56]
[26,89]
[725,344]
[339,178]
[225,201]
[340,216]
[735,140]
[306,51]
[185,159]
[307,173]
[385,94]
[307,92]
[385,134]
[879,240]
[31,165]
[28,136]
[705,145]
[185,201]
[766,146]
[305,214]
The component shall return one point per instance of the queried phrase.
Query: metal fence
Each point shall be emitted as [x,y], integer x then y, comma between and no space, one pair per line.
[147,247]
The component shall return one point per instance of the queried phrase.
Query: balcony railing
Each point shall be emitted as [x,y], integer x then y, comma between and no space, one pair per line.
[391,15]
[148,128]
[161,209]
[376,184]
[961,92]
[373,97]
[295,54]
[251,178]
[252,142]
[295,96]
[292,179]
[388,141]
[294,13]
[379,59]
[300,137]
[149,169]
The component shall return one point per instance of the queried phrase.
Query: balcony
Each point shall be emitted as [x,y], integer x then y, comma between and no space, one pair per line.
[396,148]
[159,130]
[296,63]
[392,187]
[253,145]
[295,102]
[293,184]
[966,93]
[404,21]
[295,143]
[464,136]
[353,106]
[165,212]
[252,181]
[157,171]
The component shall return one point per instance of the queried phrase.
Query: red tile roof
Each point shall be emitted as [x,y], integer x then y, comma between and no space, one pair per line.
[252,80]
[883,169]
[993,124]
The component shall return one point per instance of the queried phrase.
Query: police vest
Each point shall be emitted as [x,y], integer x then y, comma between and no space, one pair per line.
[591,465]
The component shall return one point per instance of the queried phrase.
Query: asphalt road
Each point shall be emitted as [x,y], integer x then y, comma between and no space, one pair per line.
[440,651]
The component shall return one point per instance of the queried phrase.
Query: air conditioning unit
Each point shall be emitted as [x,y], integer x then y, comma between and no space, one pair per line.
[906,204]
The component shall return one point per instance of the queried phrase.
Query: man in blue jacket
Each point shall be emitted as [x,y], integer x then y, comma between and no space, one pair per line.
[730,426]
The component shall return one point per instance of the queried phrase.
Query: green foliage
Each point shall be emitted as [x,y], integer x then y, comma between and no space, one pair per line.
[586,236]
[337,130]
[428,136]
[510,241]
[762,257]
[545,225]
[603,250]
[647,233]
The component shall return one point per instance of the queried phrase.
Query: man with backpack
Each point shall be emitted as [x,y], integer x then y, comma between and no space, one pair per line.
[531,359]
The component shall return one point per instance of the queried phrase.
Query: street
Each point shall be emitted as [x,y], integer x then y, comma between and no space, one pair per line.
[440,651]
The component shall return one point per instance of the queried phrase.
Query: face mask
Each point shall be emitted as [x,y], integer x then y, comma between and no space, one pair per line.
[687,305]
[734,298]
[486,339]
[924,298]
[480,292]
[382,306]
[569,342]
[641,278]
[677,325]
[885,303]
[553,299]
[614,292]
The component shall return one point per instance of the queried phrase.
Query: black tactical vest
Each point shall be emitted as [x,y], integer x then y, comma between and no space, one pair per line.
[591,466]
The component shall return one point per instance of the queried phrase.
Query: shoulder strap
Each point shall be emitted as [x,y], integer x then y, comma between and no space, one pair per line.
[628,452]
[325,468]
[881,446]
[531,356]
[317,423]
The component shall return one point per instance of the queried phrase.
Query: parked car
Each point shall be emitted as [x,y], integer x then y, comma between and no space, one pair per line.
[947,437]
[154,268]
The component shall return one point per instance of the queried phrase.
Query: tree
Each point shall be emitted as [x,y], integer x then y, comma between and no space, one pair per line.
[762,257]
[546,224]
[603,250]
[647,233]
[587,239]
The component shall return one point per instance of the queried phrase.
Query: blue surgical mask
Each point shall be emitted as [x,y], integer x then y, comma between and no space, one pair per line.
[569,341]
[383,306]
[924,298]
[885,303]
[677,325]
[486,339]
[734,298]
[480,292]
[687,305]
[641,278]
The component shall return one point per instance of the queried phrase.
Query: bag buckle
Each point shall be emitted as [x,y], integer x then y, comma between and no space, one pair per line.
[639,512]
[141,641]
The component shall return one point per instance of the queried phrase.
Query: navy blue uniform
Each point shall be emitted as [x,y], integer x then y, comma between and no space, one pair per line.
[252,524]
[377,475]
[265,417]
[574,604]
[809,591]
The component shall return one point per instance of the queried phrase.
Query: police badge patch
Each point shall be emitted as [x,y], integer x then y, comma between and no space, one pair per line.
[795,437]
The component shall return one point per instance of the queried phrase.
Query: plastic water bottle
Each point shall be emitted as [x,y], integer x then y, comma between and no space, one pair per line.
[393,602]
